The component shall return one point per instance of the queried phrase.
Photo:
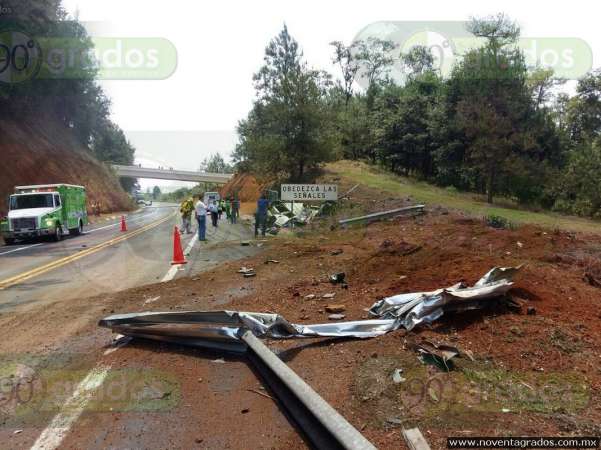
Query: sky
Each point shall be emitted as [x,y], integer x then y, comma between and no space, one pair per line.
[178,121]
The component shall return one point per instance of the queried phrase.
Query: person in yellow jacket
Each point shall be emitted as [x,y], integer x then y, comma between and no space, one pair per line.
[186,209]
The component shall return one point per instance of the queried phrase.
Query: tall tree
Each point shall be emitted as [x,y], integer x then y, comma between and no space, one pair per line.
[289,129]
[344,57]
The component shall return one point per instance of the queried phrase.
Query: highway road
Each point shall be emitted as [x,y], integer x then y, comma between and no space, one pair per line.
[105,259]
[63,384]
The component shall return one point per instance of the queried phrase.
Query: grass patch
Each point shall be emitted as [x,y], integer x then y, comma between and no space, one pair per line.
[472,204]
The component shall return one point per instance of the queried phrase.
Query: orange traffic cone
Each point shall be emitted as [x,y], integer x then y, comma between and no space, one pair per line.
[178,253]
[123,224]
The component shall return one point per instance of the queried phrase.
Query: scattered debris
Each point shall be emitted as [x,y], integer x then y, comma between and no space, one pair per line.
[426,307]
[151,300]
[248,272]
[337,252]
[222,329]
[272,261]
[394,421]
[329,295]
[17,431]
[336,316]
[415,439]
[263,394]
[335,309]
[337,278]
[310,297]
[397,377]
[438,355]
[219,361]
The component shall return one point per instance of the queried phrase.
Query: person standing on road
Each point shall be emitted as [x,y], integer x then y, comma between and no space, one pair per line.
[185,210]
[228,209]
[213,209]
[261,215]
[201,218]
[235,210]
[221,207]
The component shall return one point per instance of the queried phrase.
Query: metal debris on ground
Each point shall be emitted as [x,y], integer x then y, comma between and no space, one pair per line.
[247,271]
[397,376]
[337,278]
[221,329]
[438,355]
[418,308]
[336,316]
[287,214]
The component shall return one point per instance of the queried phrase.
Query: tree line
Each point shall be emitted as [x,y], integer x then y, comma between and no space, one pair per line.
[492,126]
[76,101]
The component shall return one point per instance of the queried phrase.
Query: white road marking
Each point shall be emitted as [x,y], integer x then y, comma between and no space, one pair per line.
[52,437]
[54,434]
[173,270]
[19,249]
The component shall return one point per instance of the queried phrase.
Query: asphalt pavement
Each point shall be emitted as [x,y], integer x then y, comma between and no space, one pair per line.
[105,259]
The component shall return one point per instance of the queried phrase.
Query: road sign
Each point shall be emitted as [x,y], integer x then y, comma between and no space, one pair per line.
[309,192]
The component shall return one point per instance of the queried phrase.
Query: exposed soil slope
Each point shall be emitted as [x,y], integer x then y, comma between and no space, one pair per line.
[534,370]
[41,150]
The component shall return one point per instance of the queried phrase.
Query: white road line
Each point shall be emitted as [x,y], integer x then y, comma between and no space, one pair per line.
[170,275]
[52,437]
[19,249]
[54,434]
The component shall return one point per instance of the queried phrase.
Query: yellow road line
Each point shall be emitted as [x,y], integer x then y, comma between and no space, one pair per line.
[69,259]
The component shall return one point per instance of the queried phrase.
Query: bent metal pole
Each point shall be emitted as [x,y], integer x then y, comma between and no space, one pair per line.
[345,435]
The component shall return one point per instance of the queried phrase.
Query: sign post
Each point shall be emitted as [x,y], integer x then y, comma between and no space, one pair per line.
[309,192]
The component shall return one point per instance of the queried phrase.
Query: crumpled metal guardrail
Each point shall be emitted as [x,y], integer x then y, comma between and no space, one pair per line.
[222,329]
[238,331]
[419,209]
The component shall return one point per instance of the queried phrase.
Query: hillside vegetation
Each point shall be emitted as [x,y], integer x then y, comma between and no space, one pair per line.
[495,124]
[352,172]
[43,150]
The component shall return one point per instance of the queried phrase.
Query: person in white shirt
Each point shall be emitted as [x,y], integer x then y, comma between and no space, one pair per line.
[201,216]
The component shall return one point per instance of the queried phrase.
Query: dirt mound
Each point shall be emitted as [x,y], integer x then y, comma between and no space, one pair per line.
[244,186]
[42,151]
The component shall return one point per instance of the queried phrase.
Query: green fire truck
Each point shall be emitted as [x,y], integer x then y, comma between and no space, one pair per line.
[49,210]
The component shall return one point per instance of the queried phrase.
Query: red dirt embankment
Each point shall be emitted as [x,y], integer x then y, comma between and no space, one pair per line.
[247,188]
[43,151]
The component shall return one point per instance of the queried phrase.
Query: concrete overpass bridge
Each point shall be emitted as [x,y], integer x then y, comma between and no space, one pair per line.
[169,174]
